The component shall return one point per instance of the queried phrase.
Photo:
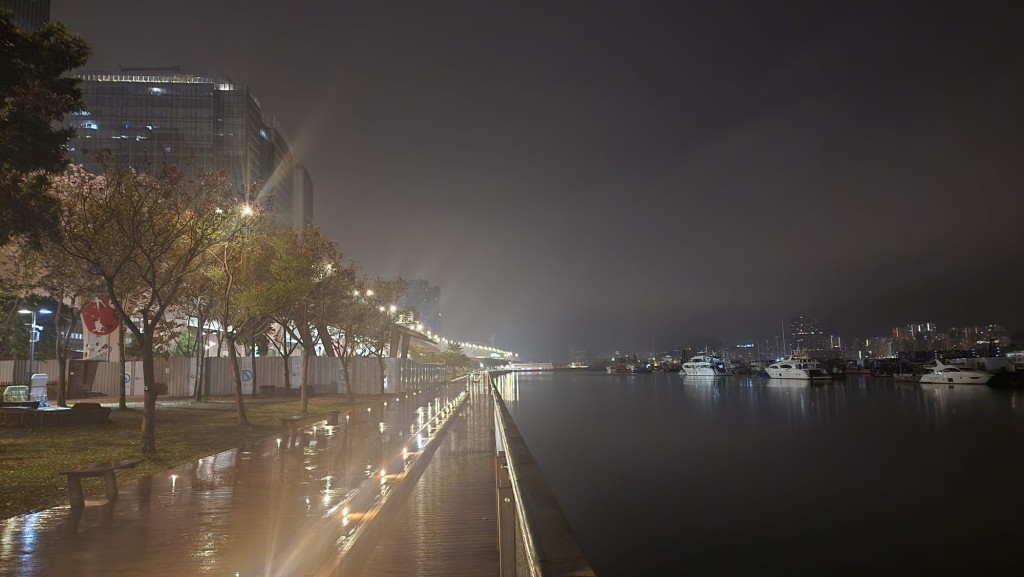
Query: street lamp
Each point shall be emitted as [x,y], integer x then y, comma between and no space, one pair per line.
[33,336]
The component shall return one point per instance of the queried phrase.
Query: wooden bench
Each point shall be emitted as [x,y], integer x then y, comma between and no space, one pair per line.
[105,470]
[332,417]
[294,421]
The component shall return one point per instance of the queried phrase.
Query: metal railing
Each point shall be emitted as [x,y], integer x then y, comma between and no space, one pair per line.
[534,538]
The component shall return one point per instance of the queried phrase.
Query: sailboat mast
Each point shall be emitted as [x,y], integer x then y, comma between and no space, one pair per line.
[782,325]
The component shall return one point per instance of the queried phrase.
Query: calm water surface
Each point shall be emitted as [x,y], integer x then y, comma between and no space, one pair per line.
[753,476]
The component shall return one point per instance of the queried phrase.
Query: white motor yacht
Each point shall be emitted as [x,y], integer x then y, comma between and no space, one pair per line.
[796,367]
[705,364]
[941,373]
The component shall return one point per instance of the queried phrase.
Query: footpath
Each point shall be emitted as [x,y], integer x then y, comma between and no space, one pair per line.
[407,489]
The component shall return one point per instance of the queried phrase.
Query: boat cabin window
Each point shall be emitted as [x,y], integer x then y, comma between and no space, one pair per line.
[785,367]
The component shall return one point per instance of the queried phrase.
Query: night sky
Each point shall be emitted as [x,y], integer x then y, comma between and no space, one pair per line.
[603,176]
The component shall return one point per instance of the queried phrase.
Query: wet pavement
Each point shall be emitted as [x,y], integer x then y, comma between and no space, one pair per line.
[286,506]
[449,524]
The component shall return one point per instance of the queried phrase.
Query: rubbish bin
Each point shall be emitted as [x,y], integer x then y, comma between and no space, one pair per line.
[38,389]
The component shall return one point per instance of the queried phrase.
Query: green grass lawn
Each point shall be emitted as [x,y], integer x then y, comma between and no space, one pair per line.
[31,458]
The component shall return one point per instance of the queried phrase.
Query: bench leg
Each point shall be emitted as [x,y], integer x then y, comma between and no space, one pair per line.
[292,437]
[110,482]
[75,495]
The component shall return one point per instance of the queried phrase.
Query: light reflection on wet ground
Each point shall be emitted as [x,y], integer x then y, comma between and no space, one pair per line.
[449,524]
[273,508]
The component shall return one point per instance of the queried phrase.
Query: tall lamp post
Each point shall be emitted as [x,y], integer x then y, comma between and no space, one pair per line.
[33,336]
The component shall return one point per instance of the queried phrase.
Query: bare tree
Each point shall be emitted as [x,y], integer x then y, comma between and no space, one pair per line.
[318,278]
[253,282]
[143,236]
[284,340]
[232,270]
[62,280]
[351,316]
[197,302]
[381,329]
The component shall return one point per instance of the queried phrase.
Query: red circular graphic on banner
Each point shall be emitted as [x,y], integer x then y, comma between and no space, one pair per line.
[99,317]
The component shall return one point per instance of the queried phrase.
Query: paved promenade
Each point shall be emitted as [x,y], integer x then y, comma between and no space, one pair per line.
[287,506]
[449,525]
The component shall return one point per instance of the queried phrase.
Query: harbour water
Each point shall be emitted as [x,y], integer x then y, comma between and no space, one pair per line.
[747,475]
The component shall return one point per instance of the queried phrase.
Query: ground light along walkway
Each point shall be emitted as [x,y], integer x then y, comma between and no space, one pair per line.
[277,508]
[448,526]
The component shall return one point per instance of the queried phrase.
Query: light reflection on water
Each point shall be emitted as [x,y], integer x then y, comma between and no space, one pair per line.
[754,475]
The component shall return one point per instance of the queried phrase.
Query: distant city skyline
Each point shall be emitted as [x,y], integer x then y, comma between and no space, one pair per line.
[837,341]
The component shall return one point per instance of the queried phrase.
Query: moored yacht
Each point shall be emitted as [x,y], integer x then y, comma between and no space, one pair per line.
[705,364]
[797,367]
[530,366]
[941,373]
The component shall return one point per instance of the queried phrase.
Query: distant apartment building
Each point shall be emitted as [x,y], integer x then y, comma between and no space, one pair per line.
[986,340]
[806,337]
[425,300]
[918,337]
[28,14]
[876,348]
[145,118]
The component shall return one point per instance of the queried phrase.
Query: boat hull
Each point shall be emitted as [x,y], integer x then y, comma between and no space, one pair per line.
[798,375]
[701,372]
[957,379]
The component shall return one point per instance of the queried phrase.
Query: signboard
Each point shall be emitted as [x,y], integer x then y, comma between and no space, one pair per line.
[98,317]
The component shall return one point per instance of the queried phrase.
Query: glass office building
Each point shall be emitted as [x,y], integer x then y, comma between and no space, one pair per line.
[426,301]
[146,119]
[28,14]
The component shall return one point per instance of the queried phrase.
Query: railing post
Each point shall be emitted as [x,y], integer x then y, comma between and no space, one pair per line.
[506,518]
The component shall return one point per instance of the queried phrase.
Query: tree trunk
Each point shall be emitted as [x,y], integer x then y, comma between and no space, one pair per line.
[236,375]
[304,387]
[252,363]
[325,340]
[149,380]
[307,345]
[122,403]
[62,379]
[383,380]
[345,360]
[287,370]
[63,340]
[200,354]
